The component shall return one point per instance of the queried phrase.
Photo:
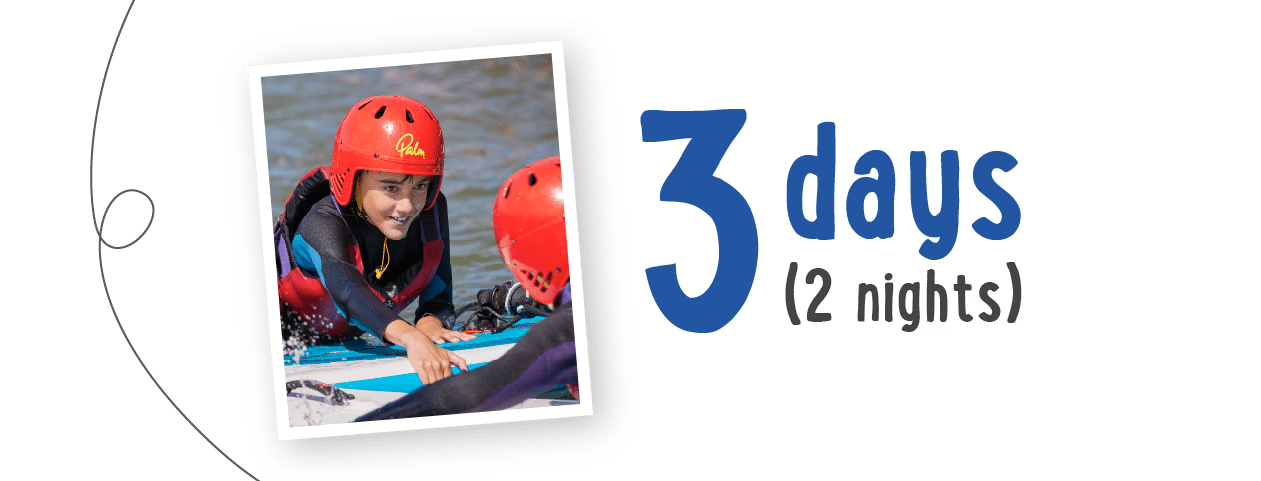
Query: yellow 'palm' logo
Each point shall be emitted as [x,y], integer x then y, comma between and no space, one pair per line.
[407,145]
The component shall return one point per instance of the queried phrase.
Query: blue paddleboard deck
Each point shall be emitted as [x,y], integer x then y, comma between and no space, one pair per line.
[360,349]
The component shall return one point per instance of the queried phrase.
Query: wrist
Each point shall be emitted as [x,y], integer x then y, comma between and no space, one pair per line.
[428,323]
[413,338]
[403,334]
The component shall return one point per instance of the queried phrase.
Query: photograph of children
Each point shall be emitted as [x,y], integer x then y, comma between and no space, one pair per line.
[416,231]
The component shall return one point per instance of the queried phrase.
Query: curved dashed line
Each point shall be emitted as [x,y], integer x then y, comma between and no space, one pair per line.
[101,242]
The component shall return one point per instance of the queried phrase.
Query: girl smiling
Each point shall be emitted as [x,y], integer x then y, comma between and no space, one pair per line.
[362,238]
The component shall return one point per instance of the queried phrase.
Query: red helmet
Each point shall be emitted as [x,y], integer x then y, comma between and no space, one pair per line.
[387,134]
[529,217]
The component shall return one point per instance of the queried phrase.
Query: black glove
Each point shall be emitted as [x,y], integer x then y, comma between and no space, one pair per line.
[500,307]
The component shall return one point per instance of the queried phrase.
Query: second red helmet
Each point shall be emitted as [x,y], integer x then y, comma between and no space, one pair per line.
[529,218]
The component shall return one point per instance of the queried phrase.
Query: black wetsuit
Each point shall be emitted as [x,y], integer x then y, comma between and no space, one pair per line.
[543,358]
[342,250]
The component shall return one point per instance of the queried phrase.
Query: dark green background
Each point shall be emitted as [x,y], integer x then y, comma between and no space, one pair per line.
[1134,124]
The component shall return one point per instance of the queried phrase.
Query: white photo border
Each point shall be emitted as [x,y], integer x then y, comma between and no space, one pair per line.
[555,48]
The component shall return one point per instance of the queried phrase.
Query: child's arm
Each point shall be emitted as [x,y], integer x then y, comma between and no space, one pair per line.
[322,244]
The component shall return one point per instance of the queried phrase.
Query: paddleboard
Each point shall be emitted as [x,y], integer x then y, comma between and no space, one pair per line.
[338,383]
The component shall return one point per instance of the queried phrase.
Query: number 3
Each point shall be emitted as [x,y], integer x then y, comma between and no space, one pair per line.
[692,182]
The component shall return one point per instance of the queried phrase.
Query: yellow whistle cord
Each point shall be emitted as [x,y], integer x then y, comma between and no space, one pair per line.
[385,257]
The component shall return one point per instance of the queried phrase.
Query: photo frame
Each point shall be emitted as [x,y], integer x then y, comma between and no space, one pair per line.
[581,142]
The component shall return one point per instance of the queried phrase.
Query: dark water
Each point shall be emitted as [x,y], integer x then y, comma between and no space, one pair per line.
[497,115]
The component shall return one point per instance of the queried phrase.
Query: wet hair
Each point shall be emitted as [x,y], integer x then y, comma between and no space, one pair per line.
[356,195]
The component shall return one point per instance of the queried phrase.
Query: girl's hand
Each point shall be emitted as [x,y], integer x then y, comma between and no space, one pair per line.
[431,363]
[438,334]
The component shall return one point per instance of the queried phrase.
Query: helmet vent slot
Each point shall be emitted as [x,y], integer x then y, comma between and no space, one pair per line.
[533,180]
[365,104]
[431,117]
[379,113]
[507,190]
[410,120]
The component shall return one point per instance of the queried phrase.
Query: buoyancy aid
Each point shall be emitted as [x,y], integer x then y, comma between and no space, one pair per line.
[304,295]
